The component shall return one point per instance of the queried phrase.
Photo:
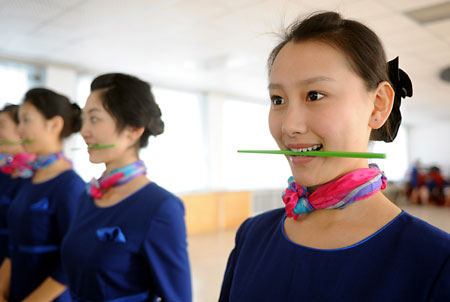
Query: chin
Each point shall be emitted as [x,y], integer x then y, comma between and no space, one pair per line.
[27,149]
[95,160]
[308,180]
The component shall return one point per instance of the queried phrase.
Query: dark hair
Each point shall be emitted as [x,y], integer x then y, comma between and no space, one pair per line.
[52,104]
[12,111]
[365,55]
[131,103]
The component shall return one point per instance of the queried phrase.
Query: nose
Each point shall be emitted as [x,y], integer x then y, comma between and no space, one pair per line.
[84,130]
[295,119]
[20,130]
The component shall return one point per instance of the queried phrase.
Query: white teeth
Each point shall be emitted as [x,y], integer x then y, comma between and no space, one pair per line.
[315,147]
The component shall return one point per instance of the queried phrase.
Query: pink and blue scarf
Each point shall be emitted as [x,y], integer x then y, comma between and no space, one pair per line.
[26,164]
[97,187]
[338,194]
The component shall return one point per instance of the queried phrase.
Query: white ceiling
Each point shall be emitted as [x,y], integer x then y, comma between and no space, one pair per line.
[214,45]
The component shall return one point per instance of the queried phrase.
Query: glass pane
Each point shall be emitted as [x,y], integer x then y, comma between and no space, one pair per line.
[245,126]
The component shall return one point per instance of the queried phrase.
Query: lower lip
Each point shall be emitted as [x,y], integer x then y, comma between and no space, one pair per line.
[300,160]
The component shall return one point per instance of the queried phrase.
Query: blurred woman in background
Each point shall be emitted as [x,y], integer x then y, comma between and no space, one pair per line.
[128,239]
[9,185]
[41,212]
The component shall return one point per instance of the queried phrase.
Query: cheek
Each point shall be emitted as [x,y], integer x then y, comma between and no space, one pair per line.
[105,133]
[275,125]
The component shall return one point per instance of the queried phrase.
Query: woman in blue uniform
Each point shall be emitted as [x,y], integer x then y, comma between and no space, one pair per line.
[41,212]
[9,185]
[128,239]
[338,238]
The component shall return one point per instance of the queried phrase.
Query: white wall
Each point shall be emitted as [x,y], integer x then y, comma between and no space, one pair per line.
[430,143]
[62,80]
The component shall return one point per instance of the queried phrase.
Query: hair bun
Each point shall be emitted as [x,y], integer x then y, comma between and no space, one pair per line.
[76,108]
[76,118]
[155,124]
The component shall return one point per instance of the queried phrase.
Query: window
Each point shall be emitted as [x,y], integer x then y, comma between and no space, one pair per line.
[246,126]
[395,165]
[177,158]
[16,79]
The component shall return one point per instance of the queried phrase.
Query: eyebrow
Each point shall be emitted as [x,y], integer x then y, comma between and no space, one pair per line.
[304,82]
[91,110]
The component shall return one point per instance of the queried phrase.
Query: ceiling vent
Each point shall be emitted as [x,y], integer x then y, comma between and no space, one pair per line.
[431,13]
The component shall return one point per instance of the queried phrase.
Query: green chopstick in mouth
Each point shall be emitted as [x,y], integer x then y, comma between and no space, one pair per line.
[97,147]
[5,142]
[102,146]
[28,140]
[24,141]
[319,153]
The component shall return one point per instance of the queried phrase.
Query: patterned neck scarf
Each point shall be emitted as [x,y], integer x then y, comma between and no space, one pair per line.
[97,187]
[4,159]
[46,160]
[338,194]
[19,163]
[26,164]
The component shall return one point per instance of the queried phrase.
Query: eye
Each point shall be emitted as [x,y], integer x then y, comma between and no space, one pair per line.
[93,119]
[314,96]
[277,100]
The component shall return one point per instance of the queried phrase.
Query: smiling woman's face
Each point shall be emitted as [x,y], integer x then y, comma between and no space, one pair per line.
[318,102]
[100,128]
[35,127]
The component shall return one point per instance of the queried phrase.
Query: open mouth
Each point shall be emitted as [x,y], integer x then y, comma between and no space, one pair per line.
[317,147]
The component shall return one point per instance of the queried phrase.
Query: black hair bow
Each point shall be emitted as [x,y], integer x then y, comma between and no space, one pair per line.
[403,88]
[399,79]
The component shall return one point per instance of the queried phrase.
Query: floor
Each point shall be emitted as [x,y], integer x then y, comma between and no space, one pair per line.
[209,252]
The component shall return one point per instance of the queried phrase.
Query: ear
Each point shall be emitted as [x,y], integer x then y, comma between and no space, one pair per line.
[56,125]
[382,106]
[134,133]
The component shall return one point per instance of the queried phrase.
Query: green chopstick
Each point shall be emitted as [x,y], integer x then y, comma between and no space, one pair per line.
[28,140]
[97,147]
[24,141]
[102,146]
[319,153]
[9,143]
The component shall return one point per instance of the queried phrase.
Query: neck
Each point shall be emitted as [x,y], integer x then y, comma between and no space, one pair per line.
[17,151]
[357,164]
[354,212]
[120,162]
[50,150]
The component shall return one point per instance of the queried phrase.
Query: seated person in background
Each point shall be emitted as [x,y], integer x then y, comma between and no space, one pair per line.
[417,192]
[436,183]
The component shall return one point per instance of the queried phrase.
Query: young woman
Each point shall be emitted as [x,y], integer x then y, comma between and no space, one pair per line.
[9,186]
[41,212]
[128,239]
[339,238]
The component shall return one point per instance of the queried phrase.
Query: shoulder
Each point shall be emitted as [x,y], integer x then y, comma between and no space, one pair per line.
[424,232]
[68,183]
[160,201]
[69,178]
[165,215]
[422,237]
[260,225]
